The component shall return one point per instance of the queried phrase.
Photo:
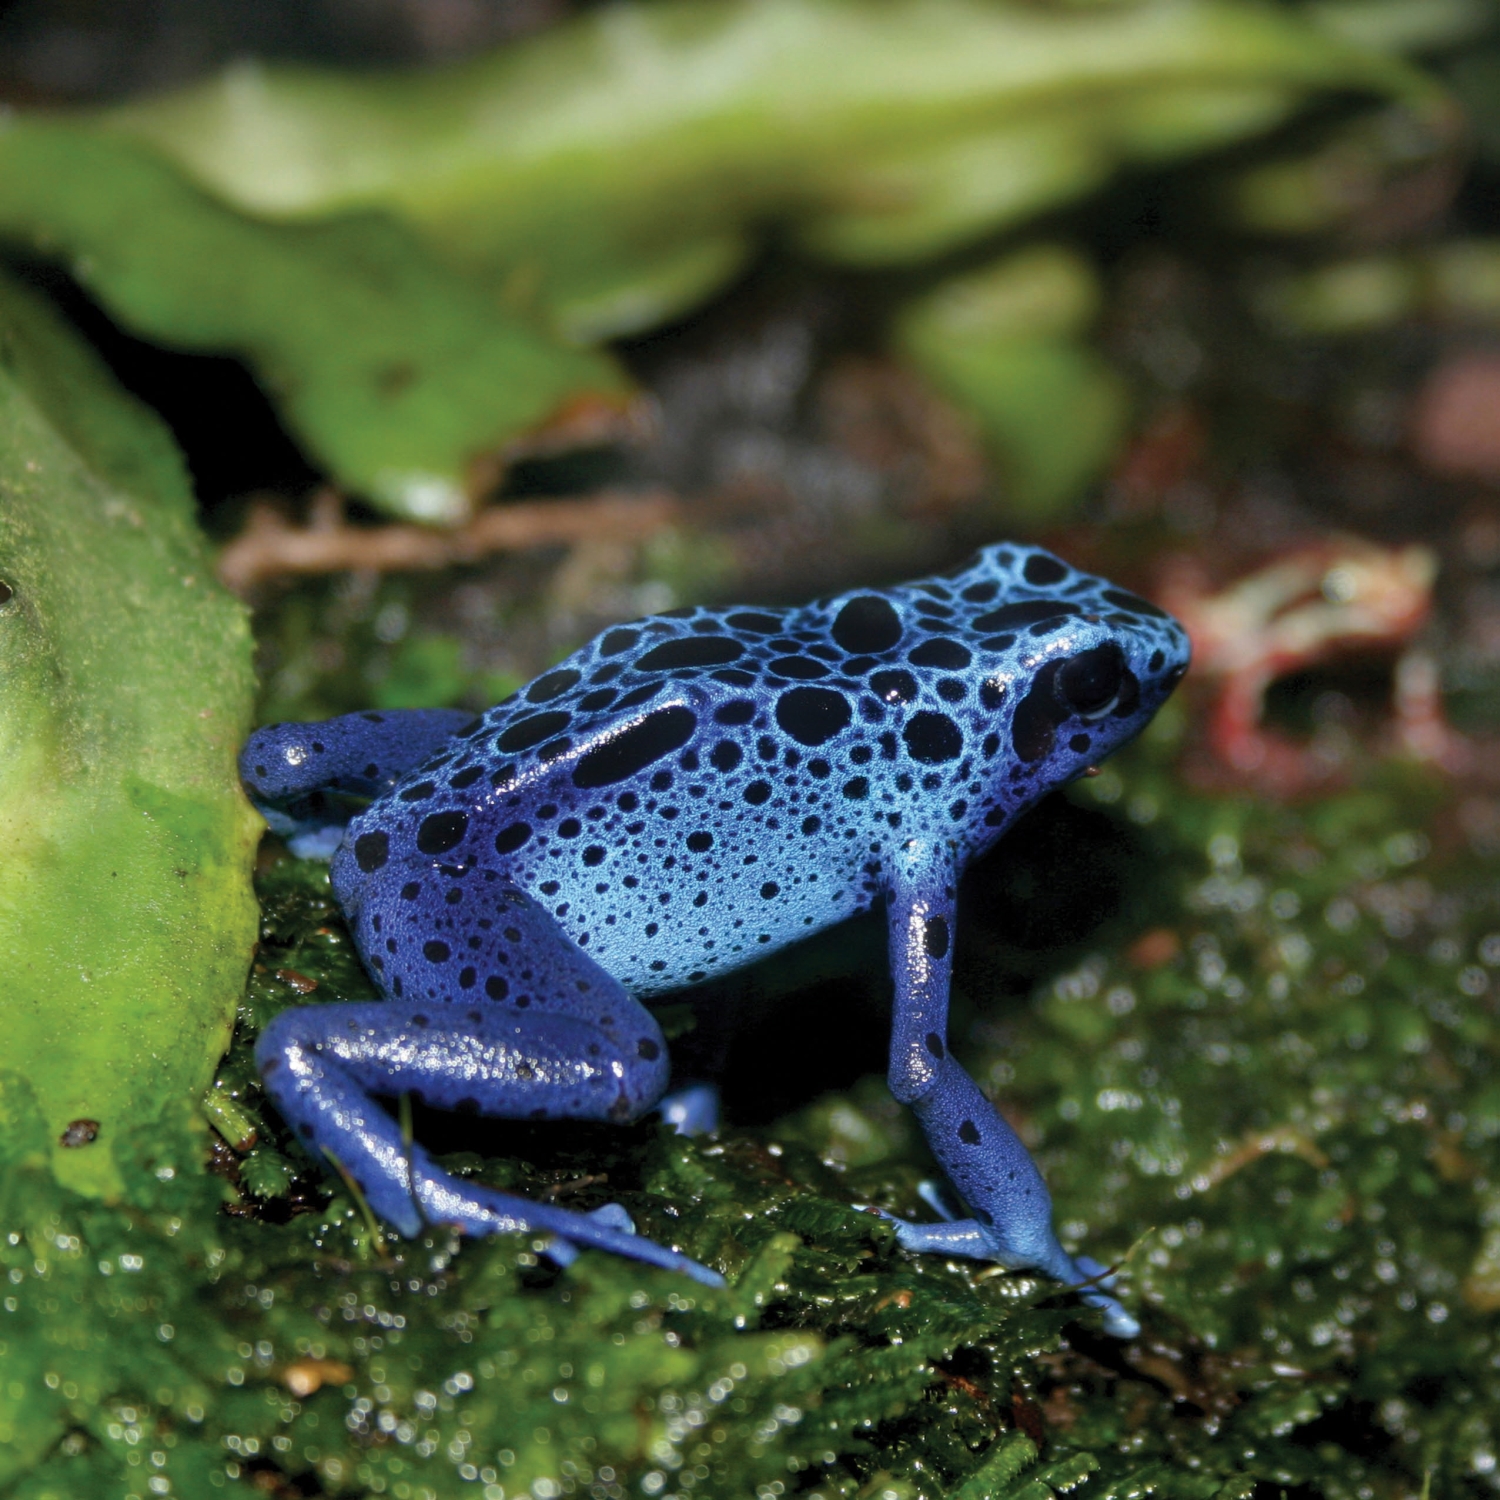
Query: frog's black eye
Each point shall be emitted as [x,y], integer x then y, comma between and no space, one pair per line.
[6,592]
[1089,685]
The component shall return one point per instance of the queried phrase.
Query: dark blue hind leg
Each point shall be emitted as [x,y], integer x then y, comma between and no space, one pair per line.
[287,767]
[519,1025]
[983,1157]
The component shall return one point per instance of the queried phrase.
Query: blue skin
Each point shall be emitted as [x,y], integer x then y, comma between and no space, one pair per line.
[682,796]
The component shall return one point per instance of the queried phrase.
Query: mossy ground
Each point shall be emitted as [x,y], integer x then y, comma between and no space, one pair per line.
[1253,1049]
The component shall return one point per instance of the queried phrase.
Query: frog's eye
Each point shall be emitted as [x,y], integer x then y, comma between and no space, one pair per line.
[1089,685]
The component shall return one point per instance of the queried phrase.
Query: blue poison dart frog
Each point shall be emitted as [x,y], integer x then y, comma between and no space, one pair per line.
[682,796]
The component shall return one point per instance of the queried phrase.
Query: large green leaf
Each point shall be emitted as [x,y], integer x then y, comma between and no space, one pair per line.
[613,171]
[126,914]
[398,374]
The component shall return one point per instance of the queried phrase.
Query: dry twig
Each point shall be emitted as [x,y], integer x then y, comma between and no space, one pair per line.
[271,546]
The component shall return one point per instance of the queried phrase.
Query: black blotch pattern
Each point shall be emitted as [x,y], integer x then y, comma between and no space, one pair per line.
[867,624]
[813,715]
[755,622]
[637,696]
[371,850]
[511,838]
[932,738]
[894,687]
[935,937]
[940,652]
[552,685]
[1136,605]
[1043,571]
[690,651]
[533,729]
[658,734]
[440,832]
[799,667]
[1024,612]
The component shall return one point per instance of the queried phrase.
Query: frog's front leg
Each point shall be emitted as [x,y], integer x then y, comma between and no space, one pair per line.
[287,767]
[521,1024]
[982,1156]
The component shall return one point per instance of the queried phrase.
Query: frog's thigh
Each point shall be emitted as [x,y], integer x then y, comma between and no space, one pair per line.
[520,1025]
[479,1059]
[323,1064]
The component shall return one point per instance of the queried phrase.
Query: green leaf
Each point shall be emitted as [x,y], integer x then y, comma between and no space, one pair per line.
[126,913]
[1005,344]
[403,378]
[614,171]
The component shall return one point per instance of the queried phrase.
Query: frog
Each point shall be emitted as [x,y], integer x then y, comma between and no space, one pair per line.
[682,796]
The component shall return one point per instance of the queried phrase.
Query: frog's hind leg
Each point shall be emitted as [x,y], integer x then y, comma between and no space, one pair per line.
[501,1015]
[289,768]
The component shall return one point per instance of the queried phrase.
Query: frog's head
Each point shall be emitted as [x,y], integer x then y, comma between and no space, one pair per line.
[1082,665]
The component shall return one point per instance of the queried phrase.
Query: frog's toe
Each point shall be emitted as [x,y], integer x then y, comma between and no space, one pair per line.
[614,1216]
[939,1198]
[1117,1322]
[972,1240]
[611,1215]
[486,1211]
[693,1110]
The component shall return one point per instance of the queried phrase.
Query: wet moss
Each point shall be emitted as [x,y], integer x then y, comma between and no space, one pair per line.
[1264,1082]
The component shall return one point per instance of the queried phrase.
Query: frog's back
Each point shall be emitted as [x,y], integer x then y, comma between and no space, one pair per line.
[692,791]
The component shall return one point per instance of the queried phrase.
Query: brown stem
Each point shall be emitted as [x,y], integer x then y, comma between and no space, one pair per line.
[271,546]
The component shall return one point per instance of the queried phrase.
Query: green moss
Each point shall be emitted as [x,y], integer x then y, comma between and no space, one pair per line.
[1265,1083]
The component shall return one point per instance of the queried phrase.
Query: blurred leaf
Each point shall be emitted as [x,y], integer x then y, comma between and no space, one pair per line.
[615,170]
[1004,344]
[399,375]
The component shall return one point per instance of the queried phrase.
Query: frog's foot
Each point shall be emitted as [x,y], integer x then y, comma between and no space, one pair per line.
[322,1065]
[994,1175]
[437,1198]
[693,1110]
[612,1215]
[972,1240]
[366,753]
